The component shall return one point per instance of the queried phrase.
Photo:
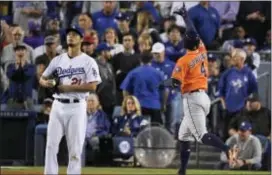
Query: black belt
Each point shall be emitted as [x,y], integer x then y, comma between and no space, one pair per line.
[63,100]
[197,90]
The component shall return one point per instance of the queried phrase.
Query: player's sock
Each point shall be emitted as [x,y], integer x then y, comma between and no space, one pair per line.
[184,156]
[213,140]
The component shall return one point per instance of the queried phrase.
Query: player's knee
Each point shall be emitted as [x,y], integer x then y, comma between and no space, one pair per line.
[53,148]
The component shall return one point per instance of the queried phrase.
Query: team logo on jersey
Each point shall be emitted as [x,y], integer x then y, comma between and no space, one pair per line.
[95,74]
[69,72]
[177,69]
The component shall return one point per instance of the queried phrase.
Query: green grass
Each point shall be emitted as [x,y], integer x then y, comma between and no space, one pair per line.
[128,171]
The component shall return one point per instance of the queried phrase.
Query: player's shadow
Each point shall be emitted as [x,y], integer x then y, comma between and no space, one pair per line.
[63,153]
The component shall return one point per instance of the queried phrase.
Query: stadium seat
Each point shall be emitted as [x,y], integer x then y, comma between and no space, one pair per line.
[38,108]
[116,111]
[40,143]
[3,107]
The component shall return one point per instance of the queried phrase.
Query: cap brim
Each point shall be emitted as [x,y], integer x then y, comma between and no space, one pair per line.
[73,30]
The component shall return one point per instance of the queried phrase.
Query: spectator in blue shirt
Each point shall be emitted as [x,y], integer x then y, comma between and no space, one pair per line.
[105,18]
[35,38]
[206,21]
[131,121]
[174,48]
[143,82]
[235,85]
[21,76]
[98,124]
[171,97]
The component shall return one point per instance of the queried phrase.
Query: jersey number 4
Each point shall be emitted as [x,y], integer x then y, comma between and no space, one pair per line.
[76,81]
[203,70]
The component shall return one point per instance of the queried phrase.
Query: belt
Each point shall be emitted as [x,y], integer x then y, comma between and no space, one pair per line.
[197,90]
[66,100]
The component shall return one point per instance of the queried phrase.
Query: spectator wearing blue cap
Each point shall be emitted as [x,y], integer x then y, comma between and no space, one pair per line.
[106,90]
[105,18]
[174,48]
[34,38]
[249,149]
[52,23]
[255,113]
[253,59]
[123,20]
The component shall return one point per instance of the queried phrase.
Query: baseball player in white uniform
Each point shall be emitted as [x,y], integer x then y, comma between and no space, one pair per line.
[78,74]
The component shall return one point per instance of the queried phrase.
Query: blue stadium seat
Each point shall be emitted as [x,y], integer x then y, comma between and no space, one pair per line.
[40,143]
[123,147]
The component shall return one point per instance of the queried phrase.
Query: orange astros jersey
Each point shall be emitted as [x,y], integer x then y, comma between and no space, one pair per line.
[192,70]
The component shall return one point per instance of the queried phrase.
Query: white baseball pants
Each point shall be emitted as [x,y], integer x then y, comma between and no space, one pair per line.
[196,107]
[67,119]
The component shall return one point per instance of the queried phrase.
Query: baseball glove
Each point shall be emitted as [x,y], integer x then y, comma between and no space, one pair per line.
[56,80]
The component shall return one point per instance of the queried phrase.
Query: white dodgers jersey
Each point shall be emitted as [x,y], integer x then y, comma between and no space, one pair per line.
[74,71]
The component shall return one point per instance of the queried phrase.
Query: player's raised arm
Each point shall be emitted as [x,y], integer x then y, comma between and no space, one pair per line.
[191,32]
[183,12]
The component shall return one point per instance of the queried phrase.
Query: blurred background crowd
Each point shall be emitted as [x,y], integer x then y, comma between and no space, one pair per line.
[119,36]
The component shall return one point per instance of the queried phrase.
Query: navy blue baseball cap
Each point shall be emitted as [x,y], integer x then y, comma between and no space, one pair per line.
[54,16]
[20,47]
[33,26]
[212,57]
[122,16]
[238,44]
[250,41]
[103,46]
[245,126]
[75,29]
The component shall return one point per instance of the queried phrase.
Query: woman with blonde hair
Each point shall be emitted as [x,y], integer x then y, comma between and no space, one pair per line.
[131,120]
[145,42]
[144,26]
[111,38]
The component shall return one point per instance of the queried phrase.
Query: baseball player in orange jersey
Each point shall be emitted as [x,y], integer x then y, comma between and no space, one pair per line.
[191,75]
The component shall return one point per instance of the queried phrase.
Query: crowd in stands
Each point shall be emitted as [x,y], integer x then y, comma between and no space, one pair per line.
[135,42]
